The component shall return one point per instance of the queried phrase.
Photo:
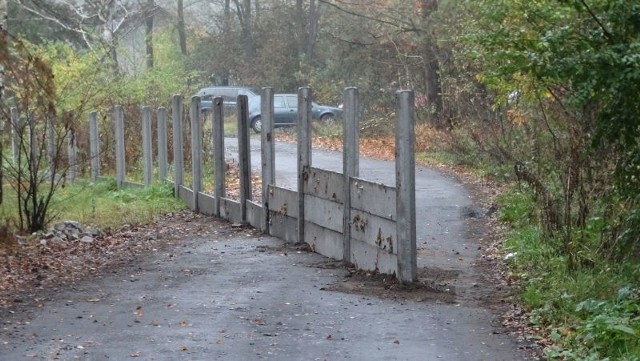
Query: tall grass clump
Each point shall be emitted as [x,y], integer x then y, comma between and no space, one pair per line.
[103,205]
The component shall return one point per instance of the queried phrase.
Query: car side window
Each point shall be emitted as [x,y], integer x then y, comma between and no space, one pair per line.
[292,101]
[278,102]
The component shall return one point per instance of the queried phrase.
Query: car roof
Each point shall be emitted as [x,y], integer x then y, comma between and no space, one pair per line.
[231,91]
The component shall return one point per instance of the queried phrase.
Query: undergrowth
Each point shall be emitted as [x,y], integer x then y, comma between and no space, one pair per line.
[591,312]
[101,205]
[587,307]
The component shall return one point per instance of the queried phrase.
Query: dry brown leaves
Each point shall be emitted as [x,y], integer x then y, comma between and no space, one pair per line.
[33,264]
[233,183]
[379,148]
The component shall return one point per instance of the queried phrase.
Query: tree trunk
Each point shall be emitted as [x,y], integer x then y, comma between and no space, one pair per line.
[148,36]
[256,5]
[247,32]
[432,84]
[314,17]
[3,53]
[3,44]
[244,17]
[113,54]
[227,10]
[224,76]
[182,37]
[307,29]
[301,21]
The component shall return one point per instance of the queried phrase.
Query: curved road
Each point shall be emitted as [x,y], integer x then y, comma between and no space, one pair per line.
[223,294]
[442,204]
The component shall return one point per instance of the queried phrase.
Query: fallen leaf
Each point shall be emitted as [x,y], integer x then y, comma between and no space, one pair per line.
[138,313]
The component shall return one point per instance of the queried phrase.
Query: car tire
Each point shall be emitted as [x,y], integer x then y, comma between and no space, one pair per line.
[328,119]
[256,124]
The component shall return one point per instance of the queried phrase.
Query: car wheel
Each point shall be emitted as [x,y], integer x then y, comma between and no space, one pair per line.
[256,124]
[328,119]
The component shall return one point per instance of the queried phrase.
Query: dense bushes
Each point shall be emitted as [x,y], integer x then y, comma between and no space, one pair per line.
[565,119]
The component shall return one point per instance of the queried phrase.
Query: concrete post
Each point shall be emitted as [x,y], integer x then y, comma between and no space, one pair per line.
[162,144]
[267,142]
[244,149]
[15,137]
[51,142]
[118,115]
[304,152]
[33,160]
[218,153]
[405,186]
[178,156]
[196,149]
[2,156]
[147,151]
[3,124]
[72,153]
[350,162]
[94,146]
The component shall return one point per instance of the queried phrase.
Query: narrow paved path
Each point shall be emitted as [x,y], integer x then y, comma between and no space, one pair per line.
[228,294]
[447,219]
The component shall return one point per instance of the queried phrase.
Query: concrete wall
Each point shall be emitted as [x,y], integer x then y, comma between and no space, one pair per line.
[340,215]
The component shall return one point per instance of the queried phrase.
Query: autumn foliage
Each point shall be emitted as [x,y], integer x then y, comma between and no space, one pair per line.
[35,166]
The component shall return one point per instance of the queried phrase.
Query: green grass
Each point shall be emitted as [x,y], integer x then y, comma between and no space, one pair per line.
[468,159]
[230,125]
[101,204]
[320,129]
[592,312]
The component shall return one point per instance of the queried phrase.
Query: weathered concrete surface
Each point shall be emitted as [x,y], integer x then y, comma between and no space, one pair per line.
[242,298]
[444,208]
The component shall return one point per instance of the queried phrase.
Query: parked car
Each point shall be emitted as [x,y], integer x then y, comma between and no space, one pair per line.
[229,96]
[285,112]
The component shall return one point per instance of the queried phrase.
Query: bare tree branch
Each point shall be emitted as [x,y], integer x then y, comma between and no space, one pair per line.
[403,25]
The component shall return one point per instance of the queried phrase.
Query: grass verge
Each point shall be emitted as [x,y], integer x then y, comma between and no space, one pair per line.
[102,205]
[588,312]
[591,312]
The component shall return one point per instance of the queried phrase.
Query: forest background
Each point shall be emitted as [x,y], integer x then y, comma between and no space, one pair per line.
[540,97]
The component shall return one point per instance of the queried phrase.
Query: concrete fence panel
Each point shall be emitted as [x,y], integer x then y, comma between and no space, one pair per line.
[340,215]
[163,164]
[94,146]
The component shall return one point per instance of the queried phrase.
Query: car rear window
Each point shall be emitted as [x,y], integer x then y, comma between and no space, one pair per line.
[292,100]
[278,102]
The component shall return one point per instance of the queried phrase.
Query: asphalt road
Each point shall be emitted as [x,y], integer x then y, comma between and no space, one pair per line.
[230,294]
[443,206]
